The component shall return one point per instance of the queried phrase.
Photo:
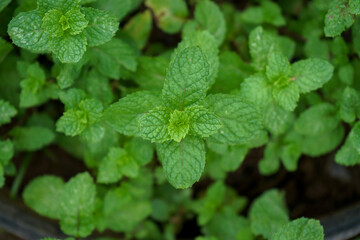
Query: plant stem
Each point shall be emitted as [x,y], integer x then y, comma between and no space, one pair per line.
[19,177]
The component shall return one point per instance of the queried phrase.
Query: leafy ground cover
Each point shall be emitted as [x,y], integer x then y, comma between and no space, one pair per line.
[173,119]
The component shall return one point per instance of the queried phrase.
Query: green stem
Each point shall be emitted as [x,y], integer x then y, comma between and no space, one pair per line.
[19,177]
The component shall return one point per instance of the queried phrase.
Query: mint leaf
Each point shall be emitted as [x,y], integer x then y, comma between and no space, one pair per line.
[150,73]
[240,120]
[75,20]
[52,25]
[72,122]
[267,220]
[44,6]
[117,8]
[72,97]
[287,96]
[317,119]
[179,125]
[311,74]
[25,30]
[69,48]
[139,28]
[5,48]
[261,43]
[183,162]
[31,138]
[207,43]
[6,152]
[186,79]
[170,14]
[208,16]
[267,12]
[42,195]
[301,228]
[3,4]
[6,112]
[68,73]
[354,7]
[202,122]
[101,26]
[154,125]
[116,164]
[130,108]
[108,58]
[349,105]
[142,157]
[276,119]
[338,18]
[256,89]
[347,155]
[278,66]
[77,206]
[270,163]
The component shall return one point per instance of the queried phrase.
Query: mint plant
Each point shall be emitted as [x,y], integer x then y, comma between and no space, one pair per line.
[63,28]
[140,118]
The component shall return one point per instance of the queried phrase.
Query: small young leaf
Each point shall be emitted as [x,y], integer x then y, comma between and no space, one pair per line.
[179,125]
[286,96]
[6,112]
[183,161]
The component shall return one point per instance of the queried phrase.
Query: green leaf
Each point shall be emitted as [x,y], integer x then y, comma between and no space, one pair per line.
[207,43]
[270,163]
[31,138]
[317,145]
[117,8]
[3,4]
[42,195]
[354,7]
[154,125]
[240,120]
[287,96]
[209,17]
[116,164]
[130,108]
[68,73]
[261,43]
[186,79]
[256,89]
[151,72]
[98,87]
[108,58]
[25,30]
[73,122]
[317,119]
[202,122]
[6,151]
[52,25]
[278,66]
[76,21]
[142,157]
[267,12]
[6,112]
[101,27]
[214,196]
[354,137]
[338,18]
[301,228]
[77,206]
[5,48]
[347,155]
[179,125]
[139,28]
[72,97]
[69,48]
[44,6]
[311,74]
[349,105]
[183,162]
[267,220]
[170,14]
[276,119]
